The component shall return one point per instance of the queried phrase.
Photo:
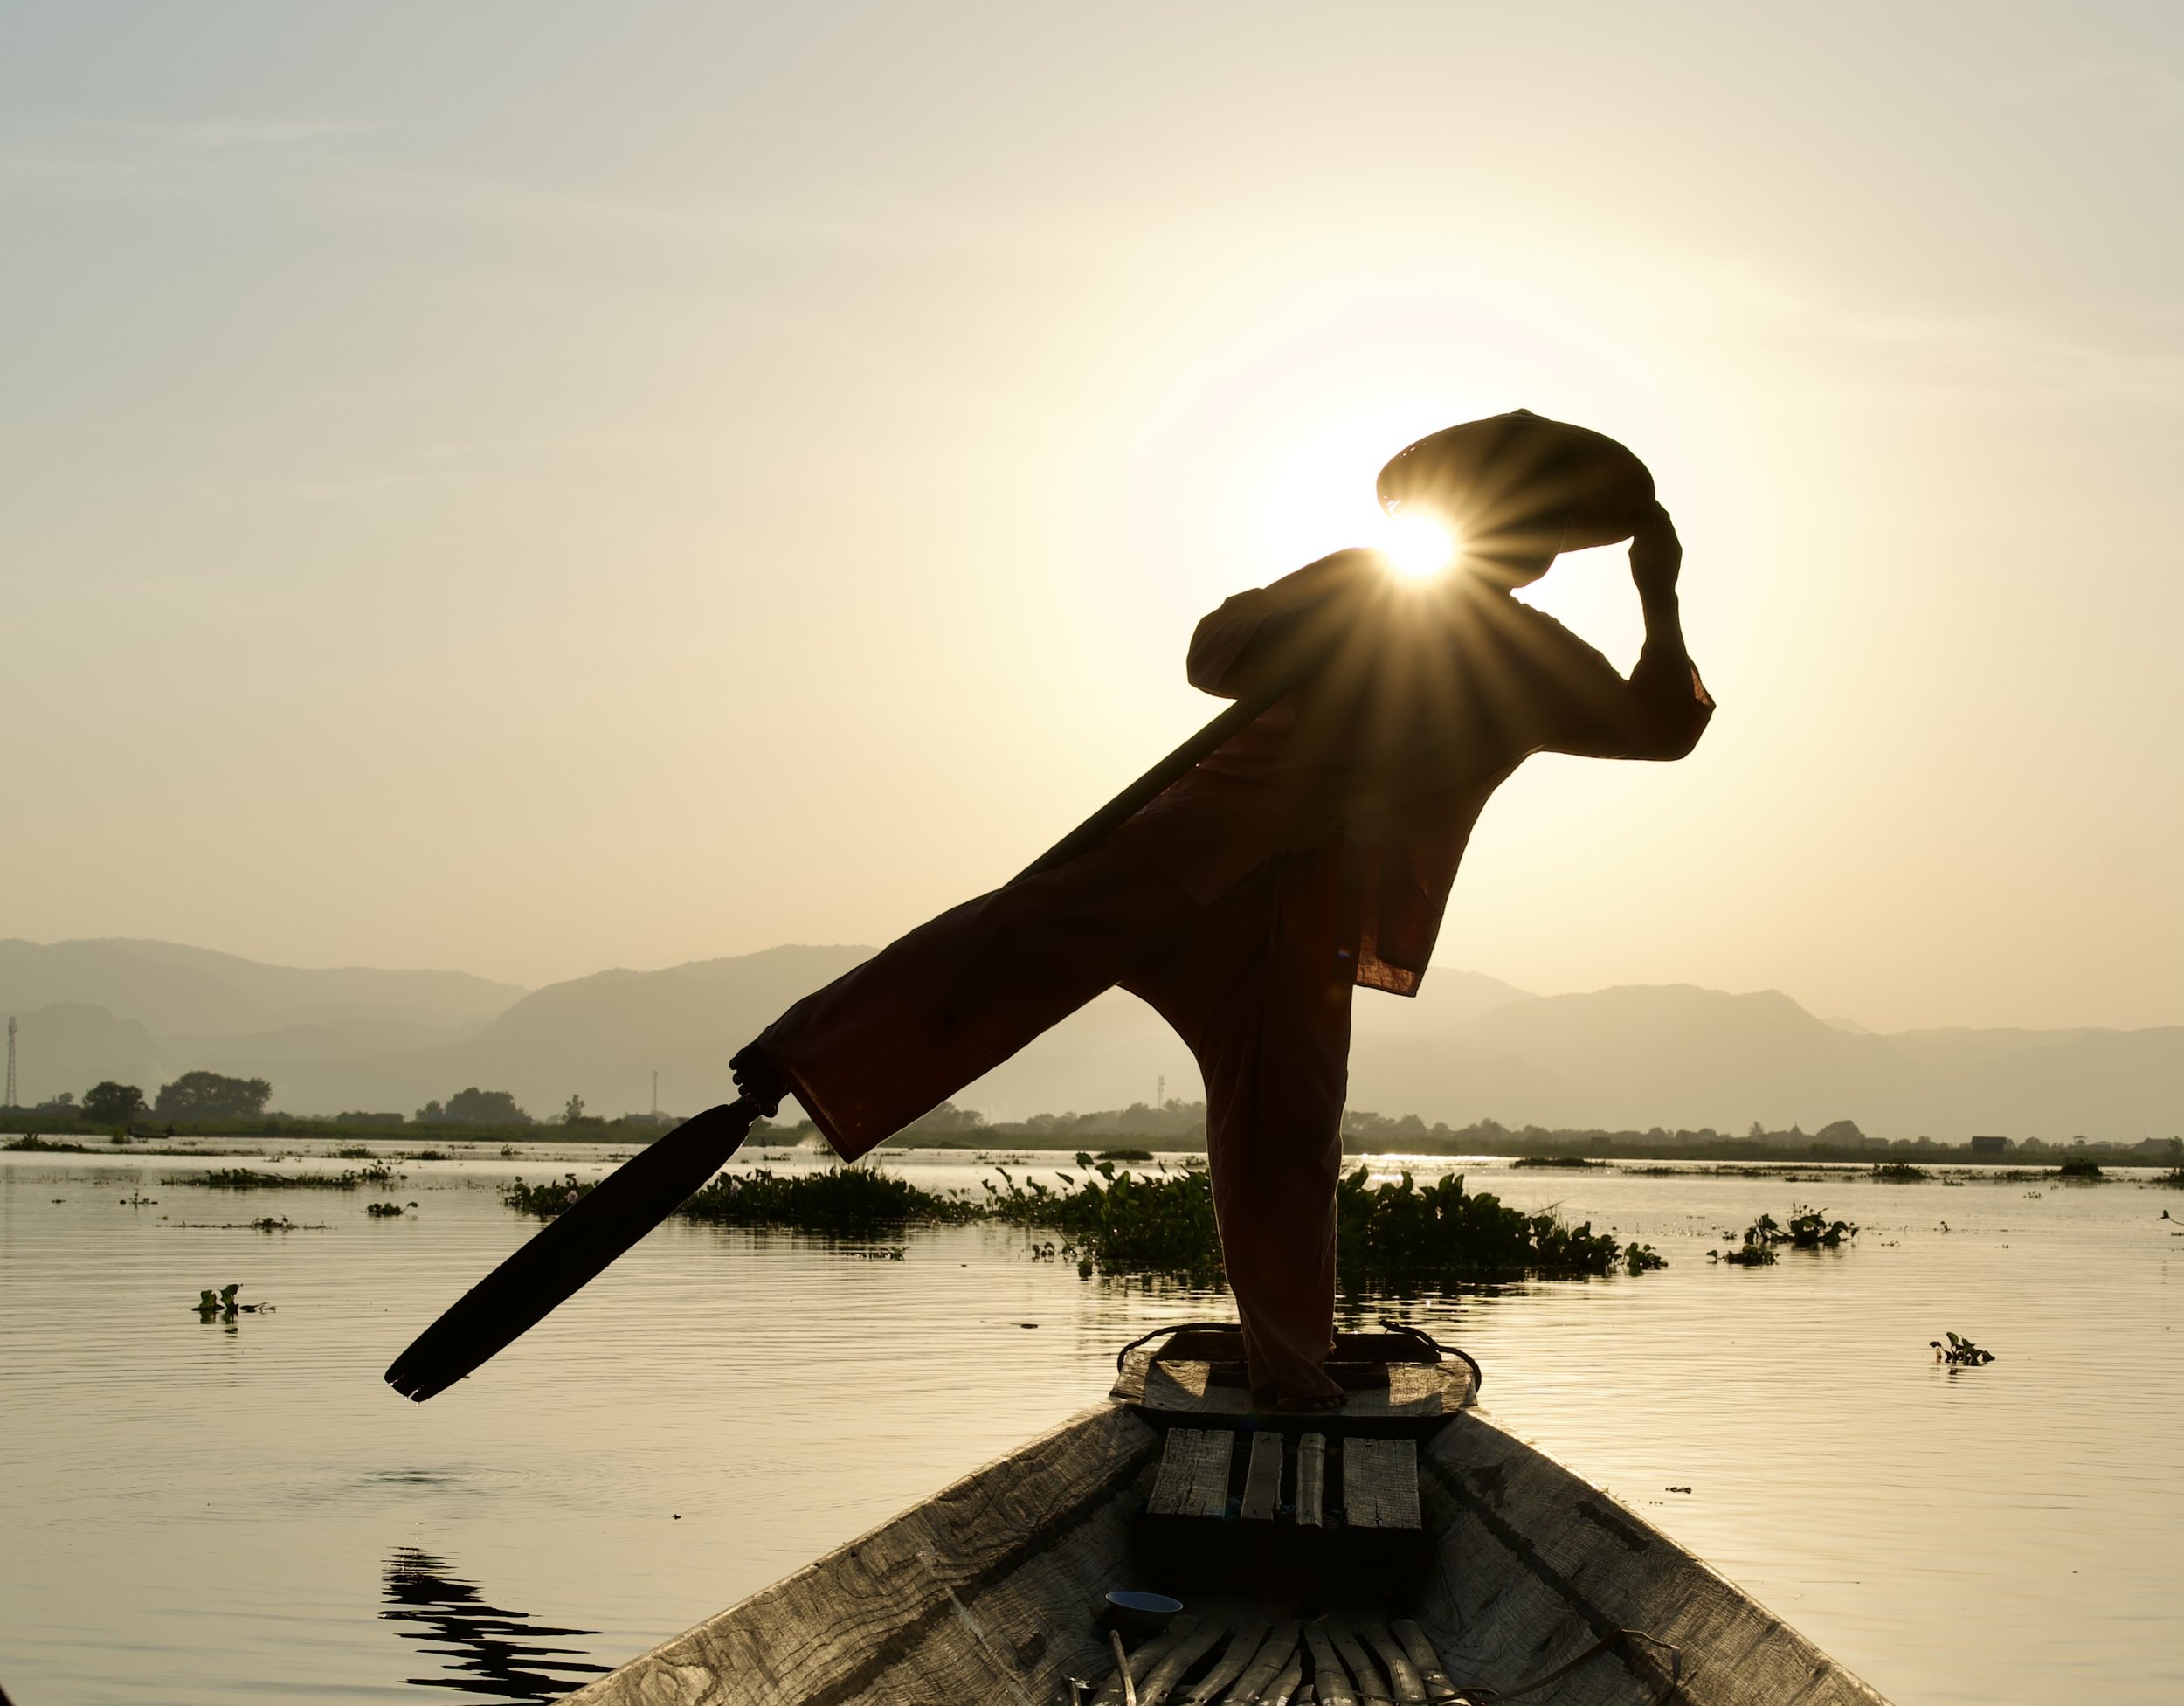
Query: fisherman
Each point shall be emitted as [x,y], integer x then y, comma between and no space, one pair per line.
[1312,853]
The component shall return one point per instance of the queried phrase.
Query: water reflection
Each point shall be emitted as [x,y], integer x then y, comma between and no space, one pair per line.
[485,1647]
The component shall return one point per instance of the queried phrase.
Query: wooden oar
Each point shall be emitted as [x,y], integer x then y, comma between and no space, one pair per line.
[570,1250]
[574,1248]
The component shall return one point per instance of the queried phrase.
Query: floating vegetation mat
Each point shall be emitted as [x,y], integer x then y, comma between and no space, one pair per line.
[1116,1222]
[249,1178]
[837,1200]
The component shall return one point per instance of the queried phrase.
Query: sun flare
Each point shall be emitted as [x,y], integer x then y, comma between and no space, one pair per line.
[1417,547]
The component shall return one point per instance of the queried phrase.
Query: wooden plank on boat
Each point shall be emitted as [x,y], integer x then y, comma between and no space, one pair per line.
[1194,1480]
[1262,1481]
[1311,1479]
[1379,1483]
[1202,1374]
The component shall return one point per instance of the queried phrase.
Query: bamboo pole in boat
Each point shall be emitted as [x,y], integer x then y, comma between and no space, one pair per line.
[1242,1648]
[1438,1686]
[1179,1659]
[1281,1645]
[1311,1479]
[1284,1690]
[1330,1680]
[1370,1689]
[1132,1671]
[1402,1674]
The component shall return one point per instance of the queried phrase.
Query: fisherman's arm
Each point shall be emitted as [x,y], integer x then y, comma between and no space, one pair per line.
[1664,708]
[1270,631]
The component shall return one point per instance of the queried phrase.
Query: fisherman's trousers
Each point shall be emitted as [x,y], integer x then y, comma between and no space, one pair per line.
[1257,983]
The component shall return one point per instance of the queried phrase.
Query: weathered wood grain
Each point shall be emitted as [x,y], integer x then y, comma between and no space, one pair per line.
[1262,1478]
[1194,1480]
[1311,1479]
[1379,1483]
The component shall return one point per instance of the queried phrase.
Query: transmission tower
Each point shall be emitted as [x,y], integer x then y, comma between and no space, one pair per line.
[11,1101]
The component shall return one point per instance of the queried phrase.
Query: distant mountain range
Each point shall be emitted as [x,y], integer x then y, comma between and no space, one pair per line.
[1469,1048]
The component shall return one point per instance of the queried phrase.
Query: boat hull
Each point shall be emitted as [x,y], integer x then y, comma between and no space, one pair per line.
[988,1591]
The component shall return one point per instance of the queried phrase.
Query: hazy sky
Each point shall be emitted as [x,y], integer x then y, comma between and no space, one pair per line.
[534,487]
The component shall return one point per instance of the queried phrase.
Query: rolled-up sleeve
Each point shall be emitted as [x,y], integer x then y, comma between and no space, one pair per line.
[1218,660]
[1658,714]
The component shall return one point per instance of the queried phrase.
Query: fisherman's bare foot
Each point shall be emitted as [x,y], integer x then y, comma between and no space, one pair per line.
[757,1080]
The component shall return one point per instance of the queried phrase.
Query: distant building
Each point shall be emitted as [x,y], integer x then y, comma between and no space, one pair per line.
[1989,1145]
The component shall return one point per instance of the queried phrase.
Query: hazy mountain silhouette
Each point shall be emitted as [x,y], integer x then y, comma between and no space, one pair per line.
[172,990]
[1679,1056]
[1471,1048]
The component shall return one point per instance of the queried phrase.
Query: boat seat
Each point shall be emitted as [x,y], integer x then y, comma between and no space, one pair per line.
[1311,1503]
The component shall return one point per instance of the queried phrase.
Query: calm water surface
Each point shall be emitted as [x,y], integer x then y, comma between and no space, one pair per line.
[194,1514]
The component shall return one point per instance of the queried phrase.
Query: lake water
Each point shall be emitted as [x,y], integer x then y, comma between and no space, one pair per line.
[193,1513]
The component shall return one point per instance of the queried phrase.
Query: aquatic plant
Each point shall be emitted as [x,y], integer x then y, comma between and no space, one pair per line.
[1643,1259]
[1404,1229]
[352,1152]
[32,1140]
[833,1199]
[1125,1155]
[1898,1173]
[1811,1229]
[1555,1161]
[550,1199]
[382,1211]
[1806,1229]
[1960,1352]
[246,1178]
[2079,1167]
[224,1308]
[1117,1222]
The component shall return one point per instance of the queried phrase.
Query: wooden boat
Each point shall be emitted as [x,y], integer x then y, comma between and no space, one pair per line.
[1404,1550]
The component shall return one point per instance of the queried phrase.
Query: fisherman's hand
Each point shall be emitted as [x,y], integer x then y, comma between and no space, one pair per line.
[1656,556]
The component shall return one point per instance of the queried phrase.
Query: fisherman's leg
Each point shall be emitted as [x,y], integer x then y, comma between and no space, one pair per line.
[898,1035]
[1262,997]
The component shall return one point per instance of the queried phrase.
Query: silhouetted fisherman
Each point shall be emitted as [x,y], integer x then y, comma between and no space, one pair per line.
[1312,853]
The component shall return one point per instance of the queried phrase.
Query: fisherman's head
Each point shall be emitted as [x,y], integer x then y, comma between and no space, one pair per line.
[1517,490]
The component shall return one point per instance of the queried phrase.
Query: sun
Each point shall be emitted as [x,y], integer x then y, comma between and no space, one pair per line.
[1417,547]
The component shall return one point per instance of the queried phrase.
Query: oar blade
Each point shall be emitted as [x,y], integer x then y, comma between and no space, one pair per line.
[571,1251]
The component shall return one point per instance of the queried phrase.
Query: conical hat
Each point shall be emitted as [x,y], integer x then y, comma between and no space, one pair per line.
[1515,476]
